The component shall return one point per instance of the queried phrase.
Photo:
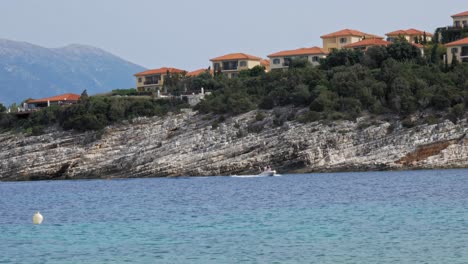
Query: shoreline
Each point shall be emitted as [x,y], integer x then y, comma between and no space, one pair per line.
[254,175]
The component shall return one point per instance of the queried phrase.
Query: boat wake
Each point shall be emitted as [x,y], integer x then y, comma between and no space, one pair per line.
[255,176]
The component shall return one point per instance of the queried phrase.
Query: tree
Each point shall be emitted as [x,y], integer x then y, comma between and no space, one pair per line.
[403,51]
[455,61]
[257,71]
[435,56]
[375,56]
[301,95]
[254,72]
[2,108]
[342,57]
[326,101]
[299,63]
[84,98]
[13,108]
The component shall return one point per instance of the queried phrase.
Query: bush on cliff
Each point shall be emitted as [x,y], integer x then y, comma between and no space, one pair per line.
[92,113]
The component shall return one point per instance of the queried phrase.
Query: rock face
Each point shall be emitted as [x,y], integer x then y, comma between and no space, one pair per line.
[189,144]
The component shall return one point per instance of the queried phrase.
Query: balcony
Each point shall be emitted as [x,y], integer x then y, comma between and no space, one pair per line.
[230,66]
[151,83]
[230,69]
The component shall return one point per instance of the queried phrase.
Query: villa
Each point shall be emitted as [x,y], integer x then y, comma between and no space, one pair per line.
[460,20]
[457,50]
[153,80]
[339,39]
[411,35]
[63,99]
[231,64]
[282,59]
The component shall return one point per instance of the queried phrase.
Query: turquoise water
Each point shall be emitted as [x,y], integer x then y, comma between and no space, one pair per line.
[376,217]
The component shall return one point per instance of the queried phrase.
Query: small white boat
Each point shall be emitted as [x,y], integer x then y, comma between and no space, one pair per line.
[267,173]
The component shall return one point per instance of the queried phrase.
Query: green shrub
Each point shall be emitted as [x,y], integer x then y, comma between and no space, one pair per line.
[259,116]
[309,116]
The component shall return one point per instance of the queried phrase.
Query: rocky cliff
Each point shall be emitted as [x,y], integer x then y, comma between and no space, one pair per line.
[193,144]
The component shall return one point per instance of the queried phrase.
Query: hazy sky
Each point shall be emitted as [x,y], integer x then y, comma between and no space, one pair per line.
[187,33]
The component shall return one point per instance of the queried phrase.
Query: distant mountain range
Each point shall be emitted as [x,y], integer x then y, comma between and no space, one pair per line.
[31,71]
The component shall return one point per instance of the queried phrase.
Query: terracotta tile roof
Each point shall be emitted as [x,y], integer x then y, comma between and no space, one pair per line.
[458,43]
[197,72]
[236,56]
[297,52]
[461,14]
[413,31]
[159,71]
[417,45]
[265,63]
[369,42]
[408,32]
[62,97]
[397,33]
[348,32]
[374,36]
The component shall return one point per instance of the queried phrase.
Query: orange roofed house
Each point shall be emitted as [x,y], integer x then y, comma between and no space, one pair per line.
[63,99]
[411,35]
[460,20]
[282,59]
[457,50]
[153,80]
[339,39]
[231,64]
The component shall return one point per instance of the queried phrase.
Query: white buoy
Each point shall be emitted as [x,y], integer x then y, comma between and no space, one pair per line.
[37,218]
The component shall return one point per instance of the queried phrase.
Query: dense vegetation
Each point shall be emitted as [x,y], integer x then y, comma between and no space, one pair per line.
[384,80]
[394,80]
[91,113]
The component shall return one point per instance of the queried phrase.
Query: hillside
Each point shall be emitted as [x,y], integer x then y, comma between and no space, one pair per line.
[31,71]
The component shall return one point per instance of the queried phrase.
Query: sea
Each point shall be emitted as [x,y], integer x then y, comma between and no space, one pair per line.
[362,217]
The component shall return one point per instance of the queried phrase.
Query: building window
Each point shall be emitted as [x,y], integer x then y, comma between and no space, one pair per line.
[152,79]
[315,58]
[465,23]
[234,75]
[139,80]
[457,23]
[276,61]
[243,64]
[230,65]
[216,66]
[454,50]
[343,40]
